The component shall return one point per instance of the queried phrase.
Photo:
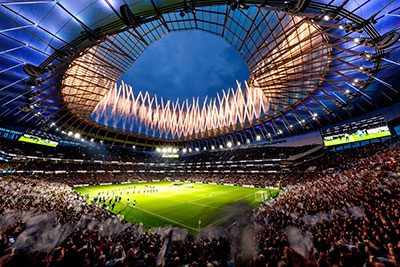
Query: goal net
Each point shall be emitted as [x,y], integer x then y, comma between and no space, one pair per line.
[262,196]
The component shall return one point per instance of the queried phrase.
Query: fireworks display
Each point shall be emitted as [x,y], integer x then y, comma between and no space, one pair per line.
[147,114]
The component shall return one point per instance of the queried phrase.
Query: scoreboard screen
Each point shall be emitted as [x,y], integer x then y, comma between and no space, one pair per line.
[37,140]
[365,129]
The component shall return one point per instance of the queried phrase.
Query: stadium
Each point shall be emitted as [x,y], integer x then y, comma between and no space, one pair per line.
[200,133]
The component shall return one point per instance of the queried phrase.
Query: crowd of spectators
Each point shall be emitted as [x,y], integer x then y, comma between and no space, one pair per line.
[346,212]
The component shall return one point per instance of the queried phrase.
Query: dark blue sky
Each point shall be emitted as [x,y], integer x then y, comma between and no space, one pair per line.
[187,64]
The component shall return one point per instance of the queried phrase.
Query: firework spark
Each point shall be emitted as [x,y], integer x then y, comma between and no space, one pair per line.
[176,119]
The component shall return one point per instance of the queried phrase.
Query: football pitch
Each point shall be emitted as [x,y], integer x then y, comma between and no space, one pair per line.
[163,204]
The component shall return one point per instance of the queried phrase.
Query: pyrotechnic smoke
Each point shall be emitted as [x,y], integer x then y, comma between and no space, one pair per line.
[178,119]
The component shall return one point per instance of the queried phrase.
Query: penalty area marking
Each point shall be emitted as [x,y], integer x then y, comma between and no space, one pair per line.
[168,219]
[211,195]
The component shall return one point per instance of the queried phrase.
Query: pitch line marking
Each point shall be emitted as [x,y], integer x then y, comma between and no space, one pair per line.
[243,197]
[168,219]
[210,195]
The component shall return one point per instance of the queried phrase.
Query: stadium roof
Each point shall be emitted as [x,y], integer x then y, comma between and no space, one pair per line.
[316,61]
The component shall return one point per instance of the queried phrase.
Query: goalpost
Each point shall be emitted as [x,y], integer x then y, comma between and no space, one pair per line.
[262,195]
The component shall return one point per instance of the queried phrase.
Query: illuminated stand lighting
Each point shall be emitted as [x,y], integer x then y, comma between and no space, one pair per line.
[258,138]
[229,144]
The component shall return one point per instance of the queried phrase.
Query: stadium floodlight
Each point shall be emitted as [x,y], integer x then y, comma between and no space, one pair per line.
[184,150]
[164,150]
[158,149]
[70,133]
[77,135]
[229,144]
[258,138]
[175,150]
[169,149]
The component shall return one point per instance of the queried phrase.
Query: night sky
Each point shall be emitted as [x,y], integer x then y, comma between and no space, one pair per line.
[187,64]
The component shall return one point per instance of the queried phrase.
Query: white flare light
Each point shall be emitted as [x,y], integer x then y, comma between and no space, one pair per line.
[177,119]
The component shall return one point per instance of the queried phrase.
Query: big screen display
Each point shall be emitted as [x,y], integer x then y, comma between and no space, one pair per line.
[370,128]
[37,140]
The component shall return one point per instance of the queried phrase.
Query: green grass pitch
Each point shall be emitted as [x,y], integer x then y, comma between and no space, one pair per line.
[175,205]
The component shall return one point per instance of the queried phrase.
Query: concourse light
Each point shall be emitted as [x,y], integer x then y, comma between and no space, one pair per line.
[133,146]
[258,138]
[212,147]
[220,146]
[197,149]
[303,120]
[190,150]
[238,143]
[92,140]
[229,144]
[327,17]
[248,141]
[279,131]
